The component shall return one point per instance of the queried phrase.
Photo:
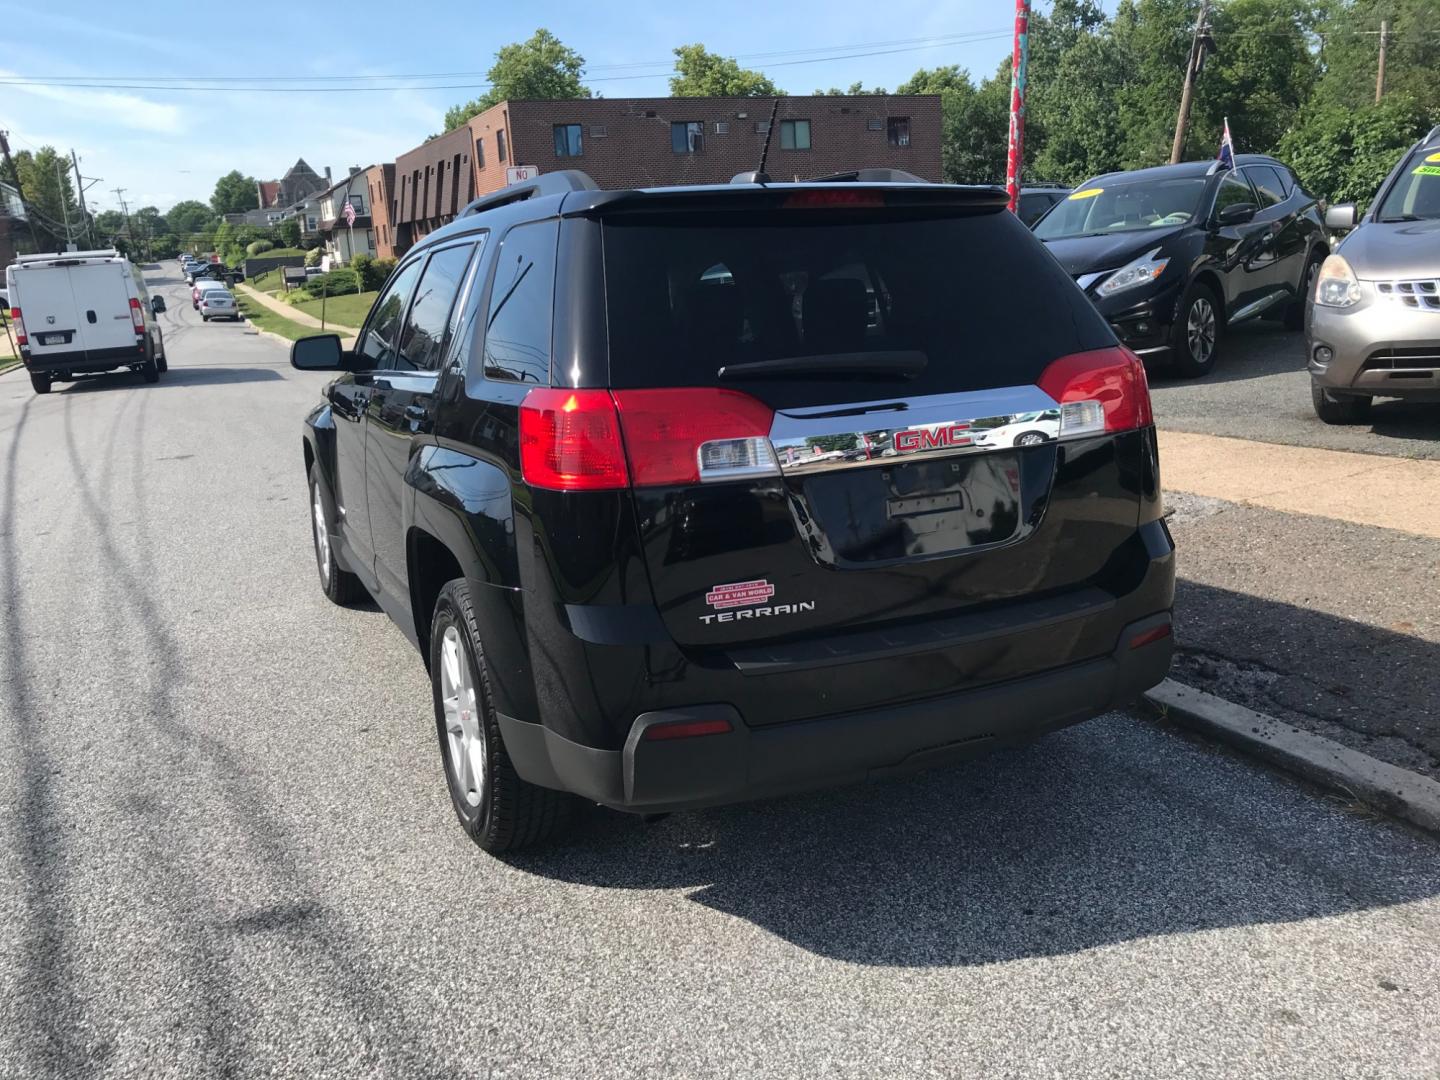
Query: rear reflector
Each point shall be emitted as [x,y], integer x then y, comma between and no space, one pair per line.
[1099,391]
[1149,637]
[686,729]
[20,338]
[686,436]
[570,441]
[834,198]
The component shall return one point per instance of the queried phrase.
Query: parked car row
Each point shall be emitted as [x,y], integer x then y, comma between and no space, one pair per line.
[213,300]
[196,269]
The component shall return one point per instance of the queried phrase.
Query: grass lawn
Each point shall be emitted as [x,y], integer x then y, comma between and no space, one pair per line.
[262,318]
[268,282]
[342,310]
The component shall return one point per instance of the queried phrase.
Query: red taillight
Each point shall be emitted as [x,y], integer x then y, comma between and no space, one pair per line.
[834,198]
[20,338]
[686,729]
[137,316]
[1149,637]
[1103,390]
[570,441]
[684,436]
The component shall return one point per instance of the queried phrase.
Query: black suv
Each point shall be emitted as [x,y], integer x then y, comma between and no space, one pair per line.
[681,492]
[1173,255]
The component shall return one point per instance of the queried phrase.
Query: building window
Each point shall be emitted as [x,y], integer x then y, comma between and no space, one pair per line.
[687,137]
[599,131]
[479,153]
[310,223]
[500,145]
[875,125]
[897,130]
[358,201]
[794,134]
[567,140]
[722,127]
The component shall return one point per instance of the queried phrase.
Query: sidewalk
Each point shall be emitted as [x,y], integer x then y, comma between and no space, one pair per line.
[1388,492]
[285,311]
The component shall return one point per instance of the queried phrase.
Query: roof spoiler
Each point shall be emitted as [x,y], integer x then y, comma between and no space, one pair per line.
[853,176]
[554,183]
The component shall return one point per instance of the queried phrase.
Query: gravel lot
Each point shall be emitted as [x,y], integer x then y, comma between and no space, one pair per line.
[228,850]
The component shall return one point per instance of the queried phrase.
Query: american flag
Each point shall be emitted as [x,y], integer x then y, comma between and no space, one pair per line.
[349,214]
[1227,148]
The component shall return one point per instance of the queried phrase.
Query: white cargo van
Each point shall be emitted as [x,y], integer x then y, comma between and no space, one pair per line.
[81,312]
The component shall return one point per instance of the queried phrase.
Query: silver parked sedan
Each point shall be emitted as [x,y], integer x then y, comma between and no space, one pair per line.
[1374,318]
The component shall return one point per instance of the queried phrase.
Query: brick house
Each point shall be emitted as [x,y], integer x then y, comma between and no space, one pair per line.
[379,185]
[648,142]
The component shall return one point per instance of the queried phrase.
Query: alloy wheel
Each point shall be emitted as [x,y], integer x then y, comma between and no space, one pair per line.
[1200,330]
[462,718]
[322,535]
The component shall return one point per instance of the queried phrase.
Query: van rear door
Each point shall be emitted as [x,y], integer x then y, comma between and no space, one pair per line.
[75,307]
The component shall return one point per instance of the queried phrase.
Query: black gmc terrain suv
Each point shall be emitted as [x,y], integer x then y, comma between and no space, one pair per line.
[683,493]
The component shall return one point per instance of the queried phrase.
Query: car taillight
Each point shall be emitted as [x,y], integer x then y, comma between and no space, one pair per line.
[137,317]
[20,338]
[694,435]
[1103,390]
[801,199]
[570,441]
[595,440]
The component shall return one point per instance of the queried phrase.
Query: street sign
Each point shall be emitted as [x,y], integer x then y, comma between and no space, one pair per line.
[519,174]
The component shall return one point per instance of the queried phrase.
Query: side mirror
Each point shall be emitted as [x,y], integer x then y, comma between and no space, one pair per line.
[1237,213]
[157,305]
[1342,216]
[319,353]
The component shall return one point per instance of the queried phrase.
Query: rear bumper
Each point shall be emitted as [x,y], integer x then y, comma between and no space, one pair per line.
[85,360]
[756,762]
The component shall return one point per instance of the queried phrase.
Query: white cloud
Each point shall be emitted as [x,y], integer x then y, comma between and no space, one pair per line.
[126,110]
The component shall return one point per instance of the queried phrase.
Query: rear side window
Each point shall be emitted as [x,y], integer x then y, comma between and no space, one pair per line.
[1267,185]
[1233,190]
[977,294]
[378,338]
[522,299]
[423,339]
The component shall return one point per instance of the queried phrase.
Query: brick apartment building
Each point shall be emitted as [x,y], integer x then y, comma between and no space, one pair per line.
[379,181]
[648,142]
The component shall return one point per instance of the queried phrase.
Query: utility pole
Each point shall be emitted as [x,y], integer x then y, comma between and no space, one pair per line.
[19,191]
[1198,46]
[1380,74]
[64,203]
[1019,74]
[125,210]
[80,194]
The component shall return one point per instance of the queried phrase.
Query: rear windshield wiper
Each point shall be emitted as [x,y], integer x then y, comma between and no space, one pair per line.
[899,364]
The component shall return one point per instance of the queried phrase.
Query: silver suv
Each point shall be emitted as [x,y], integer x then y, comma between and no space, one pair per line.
[1374,320]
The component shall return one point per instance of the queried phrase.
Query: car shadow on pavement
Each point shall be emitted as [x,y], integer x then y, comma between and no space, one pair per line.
[1109,832]
[1252,350]
[181,376]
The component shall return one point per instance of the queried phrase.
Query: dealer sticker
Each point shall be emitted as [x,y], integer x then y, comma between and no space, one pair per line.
[1088,193]
[739,594]
[1428,170]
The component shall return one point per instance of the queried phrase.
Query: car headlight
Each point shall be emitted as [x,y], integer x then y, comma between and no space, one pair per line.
[1336,284]
[1140,272]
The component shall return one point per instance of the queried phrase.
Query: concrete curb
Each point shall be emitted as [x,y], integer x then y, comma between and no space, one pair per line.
[1388,788]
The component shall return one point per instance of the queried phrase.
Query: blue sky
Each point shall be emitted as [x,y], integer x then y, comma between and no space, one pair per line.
[163,145]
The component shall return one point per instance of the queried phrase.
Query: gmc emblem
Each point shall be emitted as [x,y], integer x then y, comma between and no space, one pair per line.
[907,442]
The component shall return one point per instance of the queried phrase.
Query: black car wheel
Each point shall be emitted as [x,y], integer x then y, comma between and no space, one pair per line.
[40,381]
[1295,310]
[341,586]
[1341,408]
[1195,337]
[499,810]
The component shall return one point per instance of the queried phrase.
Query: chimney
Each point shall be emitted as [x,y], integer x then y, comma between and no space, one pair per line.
[354,169]
[328,181]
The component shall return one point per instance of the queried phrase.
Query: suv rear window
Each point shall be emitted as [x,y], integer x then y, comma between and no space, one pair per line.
[981,298]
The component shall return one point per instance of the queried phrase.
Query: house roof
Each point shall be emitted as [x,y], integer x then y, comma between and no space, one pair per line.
[269,193]
[299,166]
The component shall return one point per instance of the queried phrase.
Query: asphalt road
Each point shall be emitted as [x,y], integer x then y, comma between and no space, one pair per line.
[226,847]
[1261,390]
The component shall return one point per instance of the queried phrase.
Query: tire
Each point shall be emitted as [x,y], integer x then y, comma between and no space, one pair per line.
[150,369]
[1295,310]
[162,363]
[341,586]
[1193,351]
[1339,409]
[40,382]
[204,318]
[1031,438]
[497,809]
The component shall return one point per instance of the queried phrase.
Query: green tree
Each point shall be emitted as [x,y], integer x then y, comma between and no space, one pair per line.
[109,224]
[1343,153]
[855,89]
[45,178]
[1350,31]
[700,73]
[288,233]
[542,68]
[975,121]
[234,194]
[190,218]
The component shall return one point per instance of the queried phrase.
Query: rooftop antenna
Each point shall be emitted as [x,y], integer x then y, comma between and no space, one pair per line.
[760,177]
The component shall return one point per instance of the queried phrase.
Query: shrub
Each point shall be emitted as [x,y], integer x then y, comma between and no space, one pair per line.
[338,282]
[372,271]
[313,257]
[259,247]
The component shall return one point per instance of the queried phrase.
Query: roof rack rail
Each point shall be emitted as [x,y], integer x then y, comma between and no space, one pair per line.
[1434,135]
[871,176]
[554,183]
